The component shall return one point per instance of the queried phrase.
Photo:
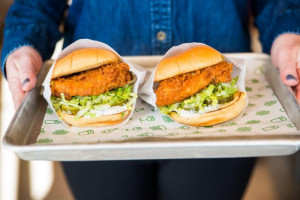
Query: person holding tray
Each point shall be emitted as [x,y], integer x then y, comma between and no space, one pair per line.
[150,27]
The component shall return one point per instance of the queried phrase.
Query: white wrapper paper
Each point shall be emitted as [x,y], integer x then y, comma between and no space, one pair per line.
[138,71]
[147,90]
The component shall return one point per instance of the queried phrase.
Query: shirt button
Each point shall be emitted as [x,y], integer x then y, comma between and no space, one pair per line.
[161,35]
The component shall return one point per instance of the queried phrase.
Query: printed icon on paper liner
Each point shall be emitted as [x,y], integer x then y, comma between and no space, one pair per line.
[49,111]
[253,122]
[60,132]
[109,130]
[262,112]
[134,129]
[256,96]
[52,121]
[87,132]
[158,128]
[270,103]
[167,119]
[243,129]
[44,141]
[270,128]
[148,118]
[278,119]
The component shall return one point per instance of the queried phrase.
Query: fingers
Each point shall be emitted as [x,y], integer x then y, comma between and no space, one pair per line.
[22,67]
[298,86]
[27,73]
[15,86]
[288,73]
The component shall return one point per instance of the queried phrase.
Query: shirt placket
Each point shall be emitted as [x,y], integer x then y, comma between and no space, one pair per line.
[161,27]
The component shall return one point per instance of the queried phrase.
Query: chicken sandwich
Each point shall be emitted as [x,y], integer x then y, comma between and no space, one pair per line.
[92,87]
[195,87]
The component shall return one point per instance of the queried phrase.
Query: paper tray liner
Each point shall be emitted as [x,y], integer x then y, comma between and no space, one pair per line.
[264,115]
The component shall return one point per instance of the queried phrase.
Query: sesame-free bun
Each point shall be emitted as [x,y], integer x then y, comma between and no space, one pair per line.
[226,112]
[104,120]
[83,59]
[194,58]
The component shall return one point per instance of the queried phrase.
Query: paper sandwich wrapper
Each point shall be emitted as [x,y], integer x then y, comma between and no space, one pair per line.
[138,71]
[147,89]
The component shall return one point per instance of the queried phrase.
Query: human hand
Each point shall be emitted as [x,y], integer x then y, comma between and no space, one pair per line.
[22,66]
[285,54]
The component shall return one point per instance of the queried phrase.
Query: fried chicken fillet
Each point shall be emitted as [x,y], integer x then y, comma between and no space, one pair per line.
[178,88]
[92,82]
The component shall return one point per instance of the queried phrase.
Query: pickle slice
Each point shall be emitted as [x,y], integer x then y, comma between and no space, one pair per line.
[220,100]
[73,110]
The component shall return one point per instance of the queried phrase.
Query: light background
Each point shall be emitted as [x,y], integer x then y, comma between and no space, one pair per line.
[274,178]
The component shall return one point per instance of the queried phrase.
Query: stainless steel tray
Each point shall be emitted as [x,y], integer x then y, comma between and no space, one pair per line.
[25,127]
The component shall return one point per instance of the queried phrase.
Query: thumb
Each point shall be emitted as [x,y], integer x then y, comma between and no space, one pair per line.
[288,72]
[27,74]
[28,66]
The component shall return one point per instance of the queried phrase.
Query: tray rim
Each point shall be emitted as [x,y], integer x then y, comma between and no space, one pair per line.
[292,140]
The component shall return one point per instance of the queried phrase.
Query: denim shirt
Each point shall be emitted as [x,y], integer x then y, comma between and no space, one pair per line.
[147,27]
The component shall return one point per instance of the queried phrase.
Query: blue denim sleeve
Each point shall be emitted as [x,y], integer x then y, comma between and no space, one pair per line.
[275,17]
[32,23]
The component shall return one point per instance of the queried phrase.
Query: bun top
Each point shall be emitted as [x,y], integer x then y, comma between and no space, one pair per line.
[83,59]
[194,58]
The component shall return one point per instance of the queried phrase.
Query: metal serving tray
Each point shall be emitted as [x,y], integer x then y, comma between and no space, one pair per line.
[26,124]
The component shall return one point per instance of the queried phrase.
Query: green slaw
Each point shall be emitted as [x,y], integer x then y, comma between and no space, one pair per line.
[87,105]
[212,95]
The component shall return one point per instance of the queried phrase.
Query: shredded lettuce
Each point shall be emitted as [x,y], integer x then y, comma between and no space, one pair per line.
[87,105]
[211,95]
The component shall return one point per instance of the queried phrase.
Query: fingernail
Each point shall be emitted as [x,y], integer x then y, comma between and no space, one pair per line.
[290,77]
[25,81]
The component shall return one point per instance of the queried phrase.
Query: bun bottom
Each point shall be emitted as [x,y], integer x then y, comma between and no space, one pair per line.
[104,120]
[227,111]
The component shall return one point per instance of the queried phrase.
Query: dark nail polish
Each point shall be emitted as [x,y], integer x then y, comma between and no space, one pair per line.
[290,77]
[25,81]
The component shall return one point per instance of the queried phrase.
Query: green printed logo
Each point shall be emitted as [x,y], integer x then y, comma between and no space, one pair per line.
[248,89]
[172,134]
[253,122]
[184,127]
[87,132]
[109,130]
[259,70]
[149,119]
[134,129]
[42,130]
[281,110]
[229,124]
[43,141]
[278,119]
[167,119]
[256,96]
[49,111]
[52,121]
[244,114]
[269,128]
[254,80]
[195,132]
[147,134]
[243,129]
[60,132]
[262,112]
[158,128]
[251,105]
[264,87]
[270,103]
[138,109]
[221,131]
[208,126]
[291,125]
